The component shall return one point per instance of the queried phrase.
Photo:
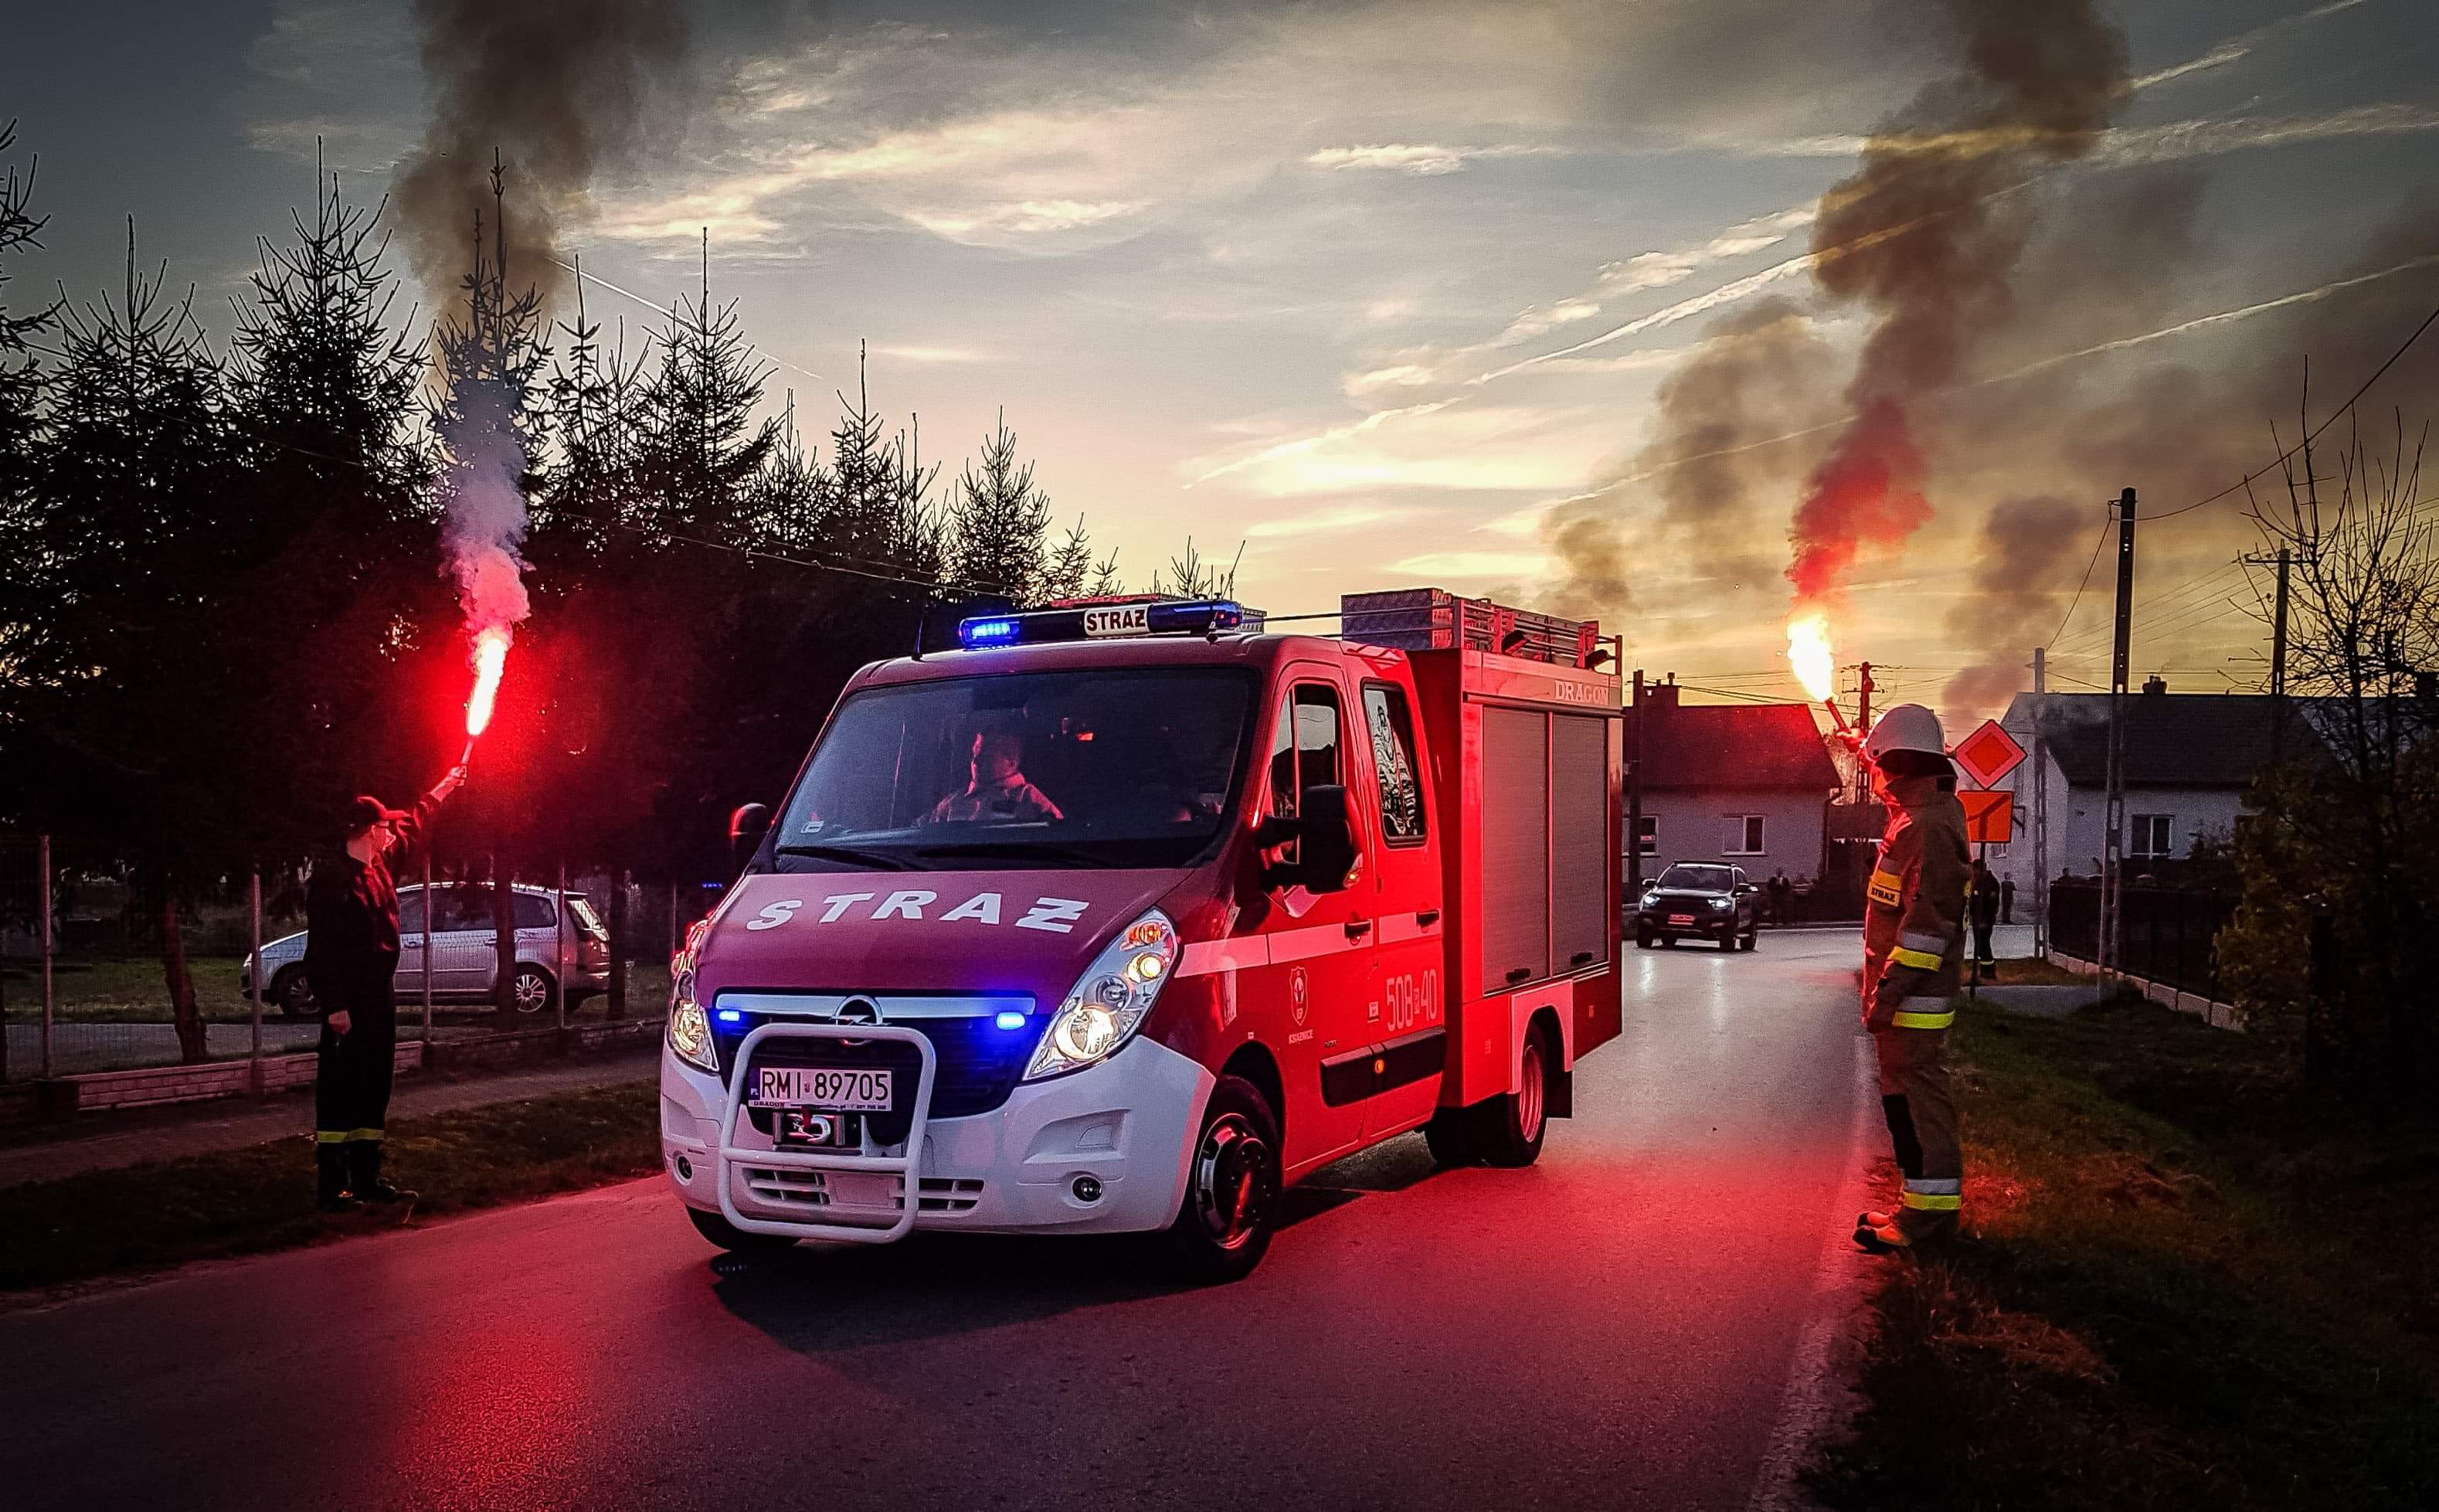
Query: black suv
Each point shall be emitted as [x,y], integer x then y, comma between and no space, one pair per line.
[1705,899]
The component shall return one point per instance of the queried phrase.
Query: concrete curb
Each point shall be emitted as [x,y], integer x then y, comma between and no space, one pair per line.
[2167,995]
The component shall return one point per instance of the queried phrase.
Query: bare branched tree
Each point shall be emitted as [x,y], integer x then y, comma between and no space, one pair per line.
[2346,853]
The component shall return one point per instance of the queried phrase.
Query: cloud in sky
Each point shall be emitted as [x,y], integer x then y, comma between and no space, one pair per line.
[1421,161]
[1335,275]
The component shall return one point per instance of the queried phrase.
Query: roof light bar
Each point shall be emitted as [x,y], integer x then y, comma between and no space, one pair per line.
[1111,621]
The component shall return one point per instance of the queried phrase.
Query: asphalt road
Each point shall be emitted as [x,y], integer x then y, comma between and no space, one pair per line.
[1639,1321]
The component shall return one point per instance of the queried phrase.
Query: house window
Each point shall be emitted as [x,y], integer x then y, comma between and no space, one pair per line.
[2152,835]
[1650,832]
[1743,836]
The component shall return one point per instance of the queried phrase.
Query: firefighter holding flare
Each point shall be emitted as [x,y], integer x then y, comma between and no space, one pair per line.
[1914,947]
[352,961]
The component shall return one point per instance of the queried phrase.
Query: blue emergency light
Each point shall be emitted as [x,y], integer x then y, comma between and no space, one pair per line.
[1009,1019]
[729,1016]
[1108,619]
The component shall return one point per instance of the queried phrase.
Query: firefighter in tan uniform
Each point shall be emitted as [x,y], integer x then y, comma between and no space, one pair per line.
[1914,948]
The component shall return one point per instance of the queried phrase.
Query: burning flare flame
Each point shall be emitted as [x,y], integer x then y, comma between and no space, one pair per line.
[1807,651]
[491,657]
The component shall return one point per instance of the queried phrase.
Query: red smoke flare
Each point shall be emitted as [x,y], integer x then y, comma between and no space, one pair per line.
[491,657]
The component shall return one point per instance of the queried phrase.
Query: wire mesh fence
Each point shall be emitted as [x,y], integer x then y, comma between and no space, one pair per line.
[109,1004]
[2164,934]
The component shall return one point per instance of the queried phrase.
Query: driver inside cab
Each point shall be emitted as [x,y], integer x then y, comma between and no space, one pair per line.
[998,792]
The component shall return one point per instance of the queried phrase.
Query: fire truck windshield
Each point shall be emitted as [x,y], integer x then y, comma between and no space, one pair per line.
[1099,768]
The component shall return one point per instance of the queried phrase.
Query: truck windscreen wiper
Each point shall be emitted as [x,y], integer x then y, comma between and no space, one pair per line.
[1019,851]
[877,860]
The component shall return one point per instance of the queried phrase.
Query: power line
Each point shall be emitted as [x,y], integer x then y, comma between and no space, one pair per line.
[2097,543]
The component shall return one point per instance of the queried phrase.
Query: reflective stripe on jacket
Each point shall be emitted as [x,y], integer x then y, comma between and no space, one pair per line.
[1914,918]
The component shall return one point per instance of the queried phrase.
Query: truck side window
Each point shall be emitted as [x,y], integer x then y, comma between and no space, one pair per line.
[1393,762]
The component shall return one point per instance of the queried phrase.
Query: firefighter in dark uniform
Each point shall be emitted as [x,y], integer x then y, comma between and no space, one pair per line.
[1914,950]
[351,960]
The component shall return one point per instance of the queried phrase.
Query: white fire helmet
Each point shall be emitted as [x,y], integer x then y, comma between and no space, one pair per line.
[1906,727]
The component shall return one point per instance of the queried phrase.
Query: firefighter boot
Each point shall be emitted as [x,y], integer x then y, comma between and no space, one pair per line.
[330,1180]
[365,1162]
[1880,1238]
[1905,1146]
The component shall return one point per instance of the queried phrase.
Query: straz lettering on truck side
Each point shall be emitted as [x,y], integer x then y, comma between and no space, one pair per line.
[1058,915]
[1414,1001]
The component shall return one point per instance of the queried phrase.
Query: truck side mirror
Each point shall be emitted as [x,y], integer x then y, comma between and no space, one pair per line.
[746,828]
[1323,835]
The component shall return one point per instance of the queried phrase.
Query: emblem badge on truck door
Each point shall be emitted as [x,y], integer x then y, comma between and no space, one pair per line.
[1297,1004]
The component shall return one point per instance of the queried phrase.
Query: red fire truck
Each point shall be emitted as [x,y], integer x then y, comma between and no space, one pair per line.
[1129,913]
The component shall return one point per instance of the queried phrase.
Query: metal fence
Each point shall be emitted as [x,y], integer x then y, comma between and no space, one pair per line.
[2164,934]
[84,990]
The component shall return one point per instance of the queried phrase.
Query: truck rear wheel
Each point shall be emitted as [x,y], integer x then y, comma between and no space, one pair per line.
[1503,1130]
[1232,1187]
[733,1239]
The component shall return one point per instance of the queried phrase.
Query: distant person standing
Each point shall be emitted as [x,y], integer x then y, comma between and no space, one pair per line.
[352,963]
[1985,913]
[1782,900]
[2006,900]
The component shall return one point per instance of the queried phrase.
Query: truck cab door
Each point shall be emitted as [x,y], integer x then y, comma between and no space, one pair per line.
[1407,1016]
[1312,997]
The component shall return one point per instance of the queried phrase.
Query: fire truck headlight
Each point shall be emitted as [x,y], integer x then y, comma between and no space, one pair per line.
[1111,999]
[689,1029]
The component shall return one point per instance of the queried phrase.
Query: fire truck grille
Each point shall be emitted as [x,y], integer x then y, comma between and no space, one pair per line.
[978,1064]
[780,1186]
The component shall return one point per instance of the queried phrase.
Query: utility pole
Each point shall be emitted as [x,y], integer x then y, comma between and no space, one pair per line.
[1634,795]
[1863,730]
[2041,808]
[2278,667]
[2113,866]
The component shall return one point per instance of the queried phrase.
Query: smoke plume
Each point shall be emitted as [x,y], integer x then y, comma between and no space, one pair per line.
[1754,370]
[568,93]
[1925,235]
[483,528]
[2028,550]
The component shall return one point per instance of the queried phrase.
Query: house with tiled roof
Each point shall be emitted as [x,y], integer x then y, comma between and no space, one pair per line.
[1742,783]
[2189,759]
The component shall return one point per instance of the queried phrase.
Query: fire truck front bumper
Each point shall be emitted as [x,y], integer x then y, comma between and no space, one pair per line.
[1101,1150]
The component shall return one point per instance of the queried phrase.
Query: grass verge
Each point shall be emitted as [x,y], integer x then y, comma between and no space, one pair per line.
[2180,1285]
[243,1201]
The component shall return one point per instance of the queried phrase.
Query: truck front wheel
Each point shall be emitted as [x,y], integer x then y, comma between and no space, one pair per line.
[1232,1187]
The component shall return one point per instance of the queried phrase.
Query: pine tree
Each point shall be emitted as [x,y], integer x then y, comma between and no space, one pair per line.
[702,448]
[128,522]
[593,401]
[492,424]
[22,380]
[338,608]
[1000,524]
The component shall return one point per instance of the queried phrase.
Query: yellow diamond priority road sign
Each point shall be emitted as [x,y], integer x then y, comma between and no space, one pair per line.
[1987,755]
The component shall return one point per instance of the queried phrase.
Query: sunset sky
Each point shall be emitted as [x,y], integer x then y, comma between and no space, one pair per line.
[1368,288]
